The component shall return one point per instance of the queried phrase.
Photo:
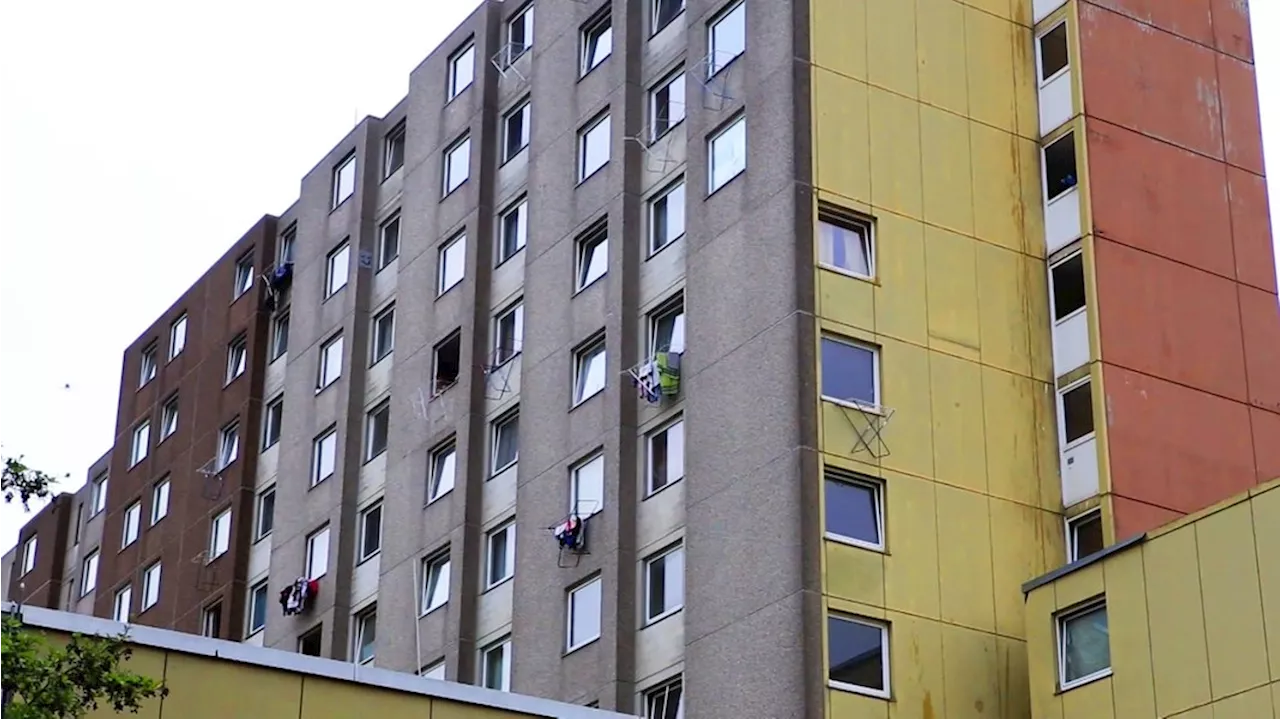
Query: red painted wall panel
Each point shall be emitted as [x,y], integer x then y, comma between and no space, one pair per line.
[1191,19]
[1251,229]
[1231,32]
[1266,443]
[1242,127]
[1260,319]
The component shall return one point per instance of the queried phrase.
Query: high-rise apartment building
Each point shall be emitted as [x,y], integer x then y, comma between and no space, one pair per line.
[788,339]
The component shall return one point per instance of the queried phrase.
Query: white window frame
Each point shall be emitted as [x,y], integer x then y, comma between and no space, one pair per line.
[444,471]
[344,184]
[433,671]
[1072,527]
[178,336]
[581,597]
[585,360]
[260,513]
[384,331]
[330,369]
[254,623]
[317,559]
[1041,80]
[721,133]
[671,308]
[504,682]
[664,198]
[650,564]
[514,315]
[456,243]
[833,475]
[279,335]
[522,112]
[520,211]
[499,425]
[597,31]
[363,551]
[141,446]
[273,422]
[462,70]
[455,174]
[588,245]
[219,535]
[591,469]
[874,407]
[522,17]
[89,572]
[363,619]
[237,358]
[284,249]
[396,136]
[1053,286]
[211,621]
[1061,402]
[243,276]
[29,549]
[1060,625]
[655,28]
[1044,166]
[131,527]
[508,529]
[324,445]
[122,603]
[99,493]
[389,240]
[337,269]
[675,99]
[718,59]
[436,575]
[586,137]
[228,445]
[150,366]
[151,586]
[664,689]
[160,500]
[169,418]
[847,221]
[885,657]
[648,449]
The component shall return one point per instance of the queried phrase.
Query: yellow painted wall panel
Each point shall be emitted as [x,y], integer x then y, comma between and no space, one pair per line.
[1026,93]
[1042,663]
[891,49]
[951,266]
[941,55]
[1014,562]
[989,42]
[1179,660]
[206,687]
[1252,704]
[855,574]
[1015,696]
[1037,283]
[1000,8]
[1232,601]
[911,568]
[900,307]
[917,668]
[848,704]
[840,36]
[442,709]
[1091,701]
[329,699]
[840,436]
[146,662]
[1266,528]
[1008,400]
[972,669]
[895,149]
[904,381]
[1029,176]
[1003,303]
[998,207]
[964,558]
[1127,627]
[842,140]
[846,300]
[947,170]
[1079,586]
[959,441]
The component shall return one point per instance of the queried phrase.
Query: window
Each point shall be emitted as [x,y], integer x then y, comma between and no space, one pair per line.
[284,251]
[309,644]
[237,357]
[160,501]
[462,70]
[79,522]
[393,150]
[318,554]
[324,456]
[727,38]
[858,655]
[854,510]
[593,254]
[727,153]
[147,372]
[495,666]
[597,42]
[666,328]
[1076,413]
[177,336]
[515,130]
[586,487]
[89,573]
[99,499]
[500,555]
[850,373]
[583,621]
[664,584]
[593,146]
[589,371]
[1051,52]
[344,179]
[330,362]
[665,702]
[457,164]
[664,11]
[366,634]
[384,333]
[244,275]
[453,263]
[508,333]
[150,586]
[520,32]
[1084,647]
[121,604]
[272,421]
[435,671]
[220,535]
[506,442]
[29,555]
[228,445]
[845,242]
[666,216]
[337,268]
[1067,292]
[435,581]
[513,230]
[665,465]
[257,608]
[169,418]
[448,362]
[1059,167]
[389,241]
[443,469]
[666,105]
[1084,535]
[132,525]
[279,336]
[141,443]
[211,621]
[370,531]
[266,513]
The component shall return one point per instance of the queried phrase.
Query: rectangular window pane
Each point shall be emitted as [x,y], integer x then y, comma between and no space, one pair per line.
[857,655]
[1085,646]
[849,373]
[728,154]
[584,614]
[853,510]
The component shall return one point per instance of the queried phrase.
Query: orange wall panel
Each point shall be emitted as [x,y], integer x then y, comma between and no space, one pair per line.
[1251,229]
[1260,318]
[1231,28]
[1134,517]
[1266,443]
[1169,320]
[1192,19]
[1238,89]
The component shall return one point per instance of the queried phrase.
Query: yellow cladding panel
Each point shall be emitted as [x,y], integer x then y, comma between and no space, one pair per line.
[1266,528]
[997,188]
[1013,562]
[841,126]
[1004,318]
[972,672]
[847,704]
[855,574]
[145,661]
[206,687]
[895,151]
[1127,632]
[943,79]
[839,31]
[959,443]
[1179,658]
[900,312]
[911,567]
[1232,601]
[1091,701]
[947,169]
[989,48]
[329,699]
[952,292]
[1042,662]
[891,48]
[916,665]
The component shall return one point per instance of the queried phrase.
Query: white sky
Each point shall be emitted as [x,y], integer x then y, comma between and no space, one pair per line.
[139,139]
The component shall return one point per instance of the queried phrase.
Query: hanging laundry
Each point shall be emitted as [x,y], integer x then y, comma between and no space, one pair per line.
[569,533]
[668,364]
[298,596]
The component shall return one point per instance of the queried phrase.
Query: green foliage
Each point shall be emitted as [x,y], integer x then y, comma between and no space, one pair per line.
[42,681]
[19,480]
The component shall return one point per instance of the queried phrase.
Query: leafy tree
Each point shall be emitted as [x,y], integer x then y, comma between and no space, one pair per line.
[20,481]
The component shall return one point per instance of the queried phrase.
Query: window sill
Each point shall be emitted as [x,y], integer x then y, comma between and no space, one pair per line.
[341,202]
[513,155]
[450,192]
[854,689]
[654,253]
[583,180]
[438,497]
[445,291]
[851,542]
[365,560]
[434,609]
[508,258]
[590,284]
[1077,683]
[499,583]
[378,360]
[665,615]
[723,69]
[875,409]
[850,273]
[504,468]
[322,388]
[659,490]
[713,191]
[581,645]
[654,140]
[585,399]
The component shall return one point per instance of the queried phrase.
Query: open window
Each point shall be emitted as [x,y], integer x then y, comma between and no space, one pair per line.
[1060,167]
[448,360]
[1084,535]
[1068,295]
[845,242]
[1051,52]
[1076,412]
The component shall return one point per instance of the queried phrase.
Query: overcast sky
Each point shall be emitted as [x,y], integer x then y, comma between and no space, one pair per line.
[140,138]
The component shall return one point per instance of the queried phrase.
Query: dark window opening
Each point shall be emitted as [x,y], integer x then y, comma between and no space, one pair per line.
[1060,166]
[309,643]
[1053,51]
[1077,412]
[1068,287]
[1086,536]
[448,359]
